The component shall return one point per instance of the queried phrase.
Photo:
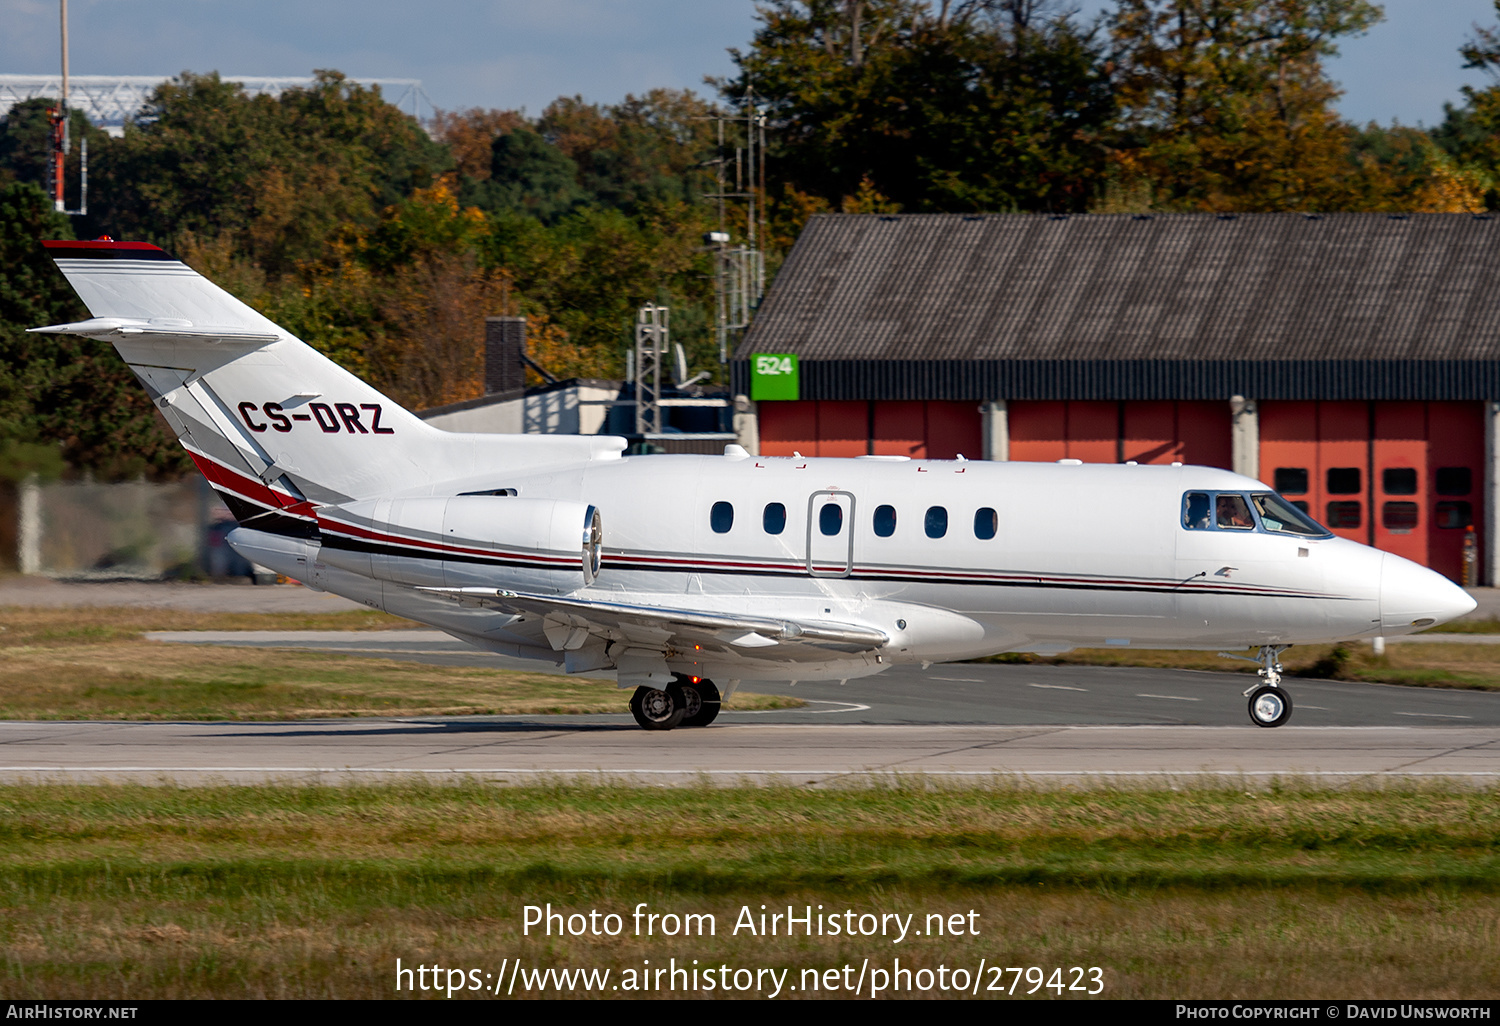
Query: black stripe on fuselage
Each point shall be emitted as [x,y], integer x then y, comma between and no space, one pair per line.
[1163,588]
[347,544]
[1020,581]
[262,518]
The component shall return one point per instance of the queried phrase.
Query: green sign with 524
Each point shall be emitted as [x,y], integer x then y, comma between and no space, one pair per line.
[774,376]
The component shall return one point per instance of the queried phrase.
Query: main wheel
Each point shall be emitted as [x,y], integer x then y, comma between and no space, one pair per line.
[1270,707]
[658,709]
[701,698]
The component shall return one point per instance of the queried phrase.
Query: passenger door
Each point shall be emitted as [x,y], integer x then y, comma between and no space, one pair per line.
[830,533]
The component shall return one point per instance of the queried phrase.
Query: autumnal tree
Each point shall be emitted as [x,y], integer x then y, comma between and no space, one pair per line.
[280,176]
[1225,104]
[588,273]
[530,176]
[470,135]
[1470,134]
[980,105]
[646,150]
[63,398]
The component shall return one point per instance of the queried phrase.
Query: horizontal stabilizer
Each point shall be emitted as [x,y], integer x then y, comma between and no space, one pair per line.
[616,619]
[142,286]
[124,327]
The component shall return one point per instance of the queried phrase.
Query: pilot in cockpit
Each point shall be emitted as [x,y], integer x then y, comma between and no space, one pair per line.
[1231,511]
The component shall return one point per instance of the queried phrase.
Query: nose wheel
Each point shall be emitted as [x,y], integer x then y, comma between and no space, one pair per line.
[1270,706]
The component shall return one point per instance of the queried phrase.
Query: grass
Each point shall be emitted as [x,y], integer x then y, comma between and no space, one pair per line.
[94,664]
[151,892]
[1467,627]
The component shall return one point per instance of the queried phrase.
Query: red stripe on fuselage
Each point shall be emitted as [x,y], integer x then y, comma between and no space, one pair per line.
[332,526]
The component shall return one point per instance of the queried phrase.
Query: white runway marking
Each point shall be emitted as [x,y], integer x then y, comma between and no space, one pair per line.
[843,707]
[1056,687]
[1435,716]
[1172,698]
[959,680]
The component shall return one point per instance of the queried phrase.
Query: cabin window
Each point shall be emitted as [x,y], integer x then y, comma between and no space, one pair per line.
[1291,480]
[1454,481]
[1343,514]
[1278,516]
[1232,512]
[721,517]
[1454,515]
[936,521]
[1344,481]
[986,523]
[1399,480]
[1195,515]
[774,518]
[831,519]
[1399,517]
[885,521]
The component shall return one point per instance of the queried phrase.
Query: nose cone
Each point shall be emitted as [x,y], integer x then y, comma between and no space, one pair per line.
[1413,598]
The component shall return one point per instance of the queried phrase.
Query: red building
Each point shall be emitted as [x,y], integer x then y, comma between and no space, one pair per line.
[1352,361]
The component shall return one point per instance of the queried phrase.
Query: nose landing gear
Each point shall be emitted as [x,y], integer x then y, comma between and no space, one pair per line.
[1270,706]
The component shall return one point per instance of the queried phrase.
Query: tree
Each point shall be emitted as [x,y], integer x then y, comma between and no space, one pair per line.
[26,144]
[1470,134]
[279,176]
[63,398]
[647,150]
[528,175]
[1225,104]
[978,105]
[470,134]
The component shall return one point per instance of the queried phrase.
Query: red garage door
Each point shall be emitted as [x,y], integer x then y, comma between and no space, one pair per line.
[922,430]
[1115,432]
[1403,476]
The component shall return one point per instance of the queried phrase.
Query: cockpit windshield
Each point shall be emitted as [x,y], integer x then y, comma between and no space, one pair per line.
[1232,511]
[1278,516]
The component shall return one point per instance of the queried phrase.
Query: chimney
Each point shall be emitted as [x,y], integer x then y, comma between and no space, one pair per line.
[504,347]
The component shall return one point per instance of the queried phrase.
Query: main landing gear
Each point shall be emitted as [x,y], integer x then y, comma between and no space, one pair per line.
[686,702]
[1270,705]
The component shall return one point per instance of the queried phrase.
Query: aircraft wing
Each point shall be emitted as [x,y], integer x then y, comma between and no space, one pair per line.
[569,623]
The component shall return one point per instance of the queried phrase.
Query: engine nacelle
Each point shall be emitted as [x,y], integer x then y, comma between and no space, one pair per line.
[463,540]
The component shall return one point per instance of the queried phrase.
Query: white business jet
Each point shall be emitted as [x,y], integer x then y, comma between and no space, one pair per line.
[673,572]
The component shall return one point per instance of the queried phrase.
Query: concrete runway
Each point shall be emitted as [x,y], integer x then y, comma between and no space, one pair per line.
[977,693]
[1047,724]
[523,749]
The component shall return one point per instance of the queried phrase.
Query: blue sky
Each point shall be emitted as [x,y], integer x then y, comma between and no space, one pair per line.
[523,53]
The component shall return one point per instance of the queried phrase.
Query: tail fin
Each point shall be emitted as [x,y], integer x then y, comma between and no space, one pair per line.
[273,424]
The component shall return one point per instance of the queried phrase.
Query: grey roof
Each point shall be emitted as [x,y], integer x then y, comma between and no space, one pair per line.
[1172,287]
